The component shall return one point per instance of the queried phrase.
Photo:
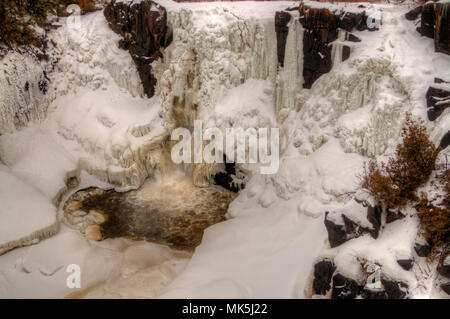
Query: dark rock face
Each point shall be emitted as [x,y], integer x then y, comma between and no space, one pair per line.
[175,214]
[282,18]
[323,272]
[374,217]
[406,264]
[427,22]
[344,287]
[444,263]
[321,28]
[347,288]
[143,26]
[336,233]
[435,23]
[438,99]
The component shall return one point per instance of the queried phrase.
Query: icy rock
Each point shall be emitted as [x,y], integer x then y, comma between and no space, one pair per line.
[438,99]
[323,272]
[143,25]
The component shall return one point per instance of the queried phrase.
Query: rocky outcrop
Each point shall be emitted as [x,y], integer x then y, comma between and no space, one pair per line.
[282,19]
[392,216]
[427,21]
[143,26]
[446,288]
[323,272]
[342,227]
[414,13]
[445,141]
[322,27]
[422,249]
[228,179]
[438,98]
[434,23]
[406,264]
[170,212]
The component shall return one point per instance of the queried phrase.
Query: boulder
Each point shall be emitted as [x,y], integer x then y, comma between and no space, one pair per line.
[143,26]
[323,272]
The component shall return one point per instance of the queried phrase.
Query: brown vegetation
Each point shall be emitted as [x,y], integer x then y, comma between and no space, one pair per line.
[393,184]
[20,17]
[435,215]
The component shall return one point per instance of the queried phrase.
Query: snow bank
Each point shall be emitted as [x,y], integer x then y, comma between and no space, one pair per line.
[23,222]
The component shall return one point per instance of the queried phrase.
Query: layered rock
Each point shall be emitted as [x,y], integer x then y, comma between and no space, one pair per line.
[143,26]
